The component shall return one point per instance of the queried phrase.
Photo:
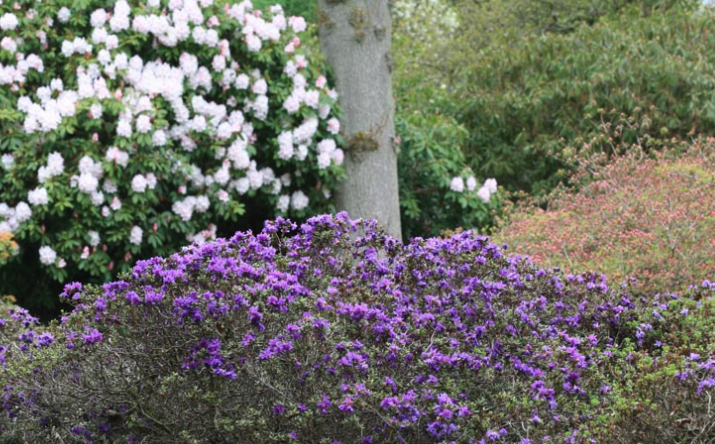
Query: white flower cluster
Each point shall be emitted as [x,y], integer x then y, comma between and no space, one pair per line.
[490,187]
[206,105]
[48,256]
[204,236]
[135,235]
[38,196]
[55,166]
[15,75]
[11,218]
[185,207]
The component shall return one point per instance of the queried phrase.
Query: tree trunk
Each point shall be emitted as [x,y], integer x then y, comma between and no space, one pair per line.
[355,36]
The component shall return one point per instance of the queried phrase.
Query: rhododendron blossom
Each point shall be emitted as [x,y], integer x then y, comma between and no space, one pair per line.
[175,130]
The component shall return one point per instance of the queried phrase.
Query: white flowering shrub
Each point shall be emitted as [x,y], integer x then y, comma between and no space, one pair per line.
[133,128]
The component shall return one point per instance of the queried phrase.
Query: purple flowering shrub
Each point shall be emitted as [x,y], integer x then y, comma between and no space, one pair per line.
[333,332]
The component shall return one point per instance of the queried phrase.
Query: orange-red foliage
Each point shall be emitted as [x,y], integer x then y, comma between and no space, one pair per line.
[651,219]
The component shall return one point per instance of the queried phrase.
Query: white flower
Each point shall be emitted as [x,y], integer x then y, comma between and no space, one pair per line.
[225,130]
[242,81]
[97,198]
[8,44]
[87,183]
[139,183]
[457,184]
[55,164]
[151,180]
[291,104]
[88,166]
[326,146]
[323,160]
[143,124]
[299,82]
[124,128]
[222,196]
[98,18]
[7,161]
[135,235]
[8,22]
[48,256]
[104,57]
[114,154]
[38,196]
[290,69]
[276,186]
[202,204]
[484,194]
[95,110]
[116,204]
[260,107]
[305,131]
[491,185]
[253,43]
[471,183]
[218,63]
[297,23]
[312,98]
[222,176]
[285,145]
[333,126]
[255,178]
[338,156]
[260,87]
[57,85]
[158,138]
[184,208]
[93,238]
[22,212]
[299,200]
[242,185]
[283,203]
[63,15]
[301,152]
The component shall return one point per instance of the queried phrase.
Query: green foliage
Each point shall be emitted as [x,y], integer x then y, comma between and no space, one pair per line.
[430,156]
[530,104]
[643,218]
[430,141]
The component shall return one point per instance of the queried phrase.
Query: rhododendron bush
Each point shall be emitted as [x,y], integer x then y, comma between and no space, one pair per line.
[137,127]
[651,219]
[336,333]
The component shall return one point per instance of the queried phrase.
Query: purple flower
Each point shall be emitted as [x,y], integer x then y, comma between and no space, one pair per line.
[91,336]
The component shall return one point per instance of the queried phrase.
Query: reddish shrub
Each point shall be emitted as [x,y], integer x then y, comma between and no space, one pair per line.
[647,218]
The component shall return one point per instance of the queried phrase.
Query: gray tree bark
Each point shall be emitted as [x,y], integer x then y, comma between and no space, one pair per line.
[356,38]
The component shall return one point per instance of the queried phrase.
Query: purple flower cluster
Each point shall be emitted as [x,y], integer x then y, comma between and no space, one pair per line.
[334,331]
